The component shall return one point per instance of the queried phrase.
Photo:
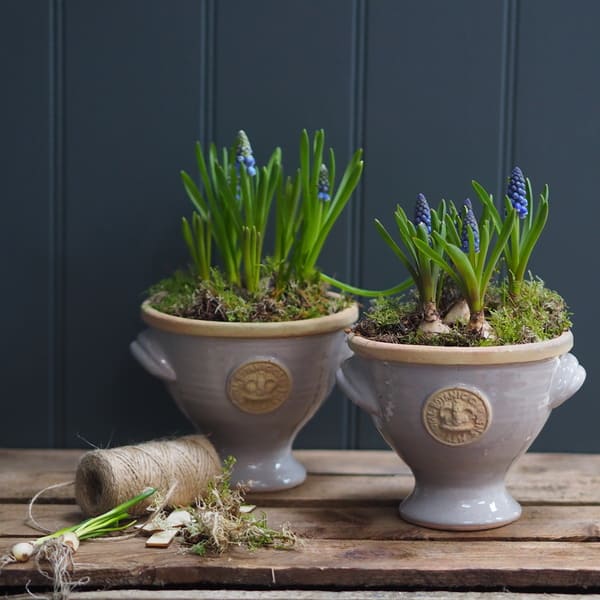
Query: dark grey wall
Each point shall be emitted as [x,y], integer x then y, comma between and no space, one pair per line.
[102,101]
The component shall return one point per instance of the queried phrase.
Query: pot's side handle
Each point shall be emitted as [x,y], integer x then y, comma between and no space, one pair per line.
[151,356]
[355,383]
[568,378]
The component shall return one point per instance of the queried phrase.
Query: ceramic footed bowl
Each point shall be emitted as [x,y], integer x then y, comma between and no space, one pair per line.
[249,386]
[459,417]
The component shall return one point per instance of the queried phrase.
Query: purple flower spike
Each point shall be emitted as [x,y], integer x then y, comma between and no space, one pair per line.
[323,185]
[469,222]
[422,212]
[243,153]
[516,192]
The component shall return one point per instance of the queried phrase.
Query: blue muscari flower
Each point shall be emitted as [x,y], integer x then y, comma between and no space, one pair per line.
[516,192]
[422,212]
[323,185]
[243,153]
[469,222]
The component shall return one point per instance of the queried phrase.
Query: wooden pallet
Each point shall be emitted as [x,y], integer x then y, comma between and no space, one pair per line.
[346,512]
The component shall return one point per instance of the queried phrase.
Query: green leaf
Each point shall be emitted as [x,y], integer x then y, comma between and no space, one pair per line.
[531,208]
[349,182]
[230,216]
[498,249]
[387,238]
[331,169]
[484,244]
[534,234]
[397,289]
[488,203]
[467,276]
[438,259]
[206,181]
[317,159]
[452,233]
[189,242]
[407,231]
[194,194]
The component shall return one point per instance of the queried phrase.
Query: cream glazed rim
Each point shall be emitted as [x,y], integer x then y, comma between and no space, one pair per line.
[282,329]
[445,355]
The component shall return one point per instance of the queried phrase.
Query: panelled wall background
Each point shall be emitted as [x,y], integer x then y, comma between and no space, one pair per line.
[101,104]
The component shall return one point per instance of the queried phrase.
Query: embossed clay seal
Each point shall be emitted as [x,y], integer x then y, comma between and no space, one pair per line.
[259,386]
[456,416]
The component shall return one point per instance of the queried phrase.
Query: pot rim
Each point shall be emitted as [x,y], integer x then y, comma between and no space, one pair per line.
[444,355]
[315,326]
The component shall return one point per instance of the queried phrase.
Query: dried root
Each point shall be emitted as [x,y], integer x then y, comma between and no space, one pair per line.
[221,520]
[59,556]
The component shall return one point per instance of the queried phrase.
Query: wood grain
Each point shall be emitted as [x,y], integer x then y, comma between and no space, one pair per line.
[341,563]
[336,477]
[353,538]
[538,523]
[303,595]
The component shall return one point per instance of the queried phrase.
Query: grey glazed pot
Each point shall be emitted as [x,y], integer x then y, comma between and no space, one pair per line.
[459,417]
[249,386]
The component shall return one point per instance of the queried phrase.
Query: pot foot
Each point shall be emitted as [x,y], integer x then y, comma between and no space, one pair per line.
[460,509]
[266,472]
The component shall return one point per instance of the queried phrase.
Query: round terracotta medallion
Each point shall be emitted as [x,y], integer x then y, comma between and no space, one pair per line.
[456,416]
[259,386]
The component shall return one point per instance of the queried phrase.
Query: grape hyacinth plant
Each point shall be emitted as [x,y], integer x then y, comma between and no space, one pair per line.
[240,206]
[428,229]
[454,258]
[465,260]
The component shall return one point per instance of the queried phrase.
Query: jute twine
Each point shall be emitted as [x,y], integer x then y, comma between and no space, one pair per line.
[179,469]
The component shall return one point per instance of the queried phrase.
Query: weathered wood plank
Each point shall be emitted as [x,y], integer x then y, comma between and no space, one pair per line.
[537,478]
[538,523]
[23,473]
[343,564]
[352,462]
[303,595]
[323,462]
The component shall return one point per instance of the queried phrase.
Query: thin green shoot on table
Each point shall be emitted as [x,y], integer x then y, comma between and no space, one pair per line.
[115,520]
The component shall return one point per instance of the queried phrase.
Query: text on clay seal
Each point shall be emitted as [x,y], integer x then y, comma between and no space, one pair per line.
[456,416]
[259,386]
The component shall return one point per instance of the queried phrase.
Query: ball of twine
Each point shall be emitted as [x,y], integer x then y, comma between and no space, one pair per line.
[179,469]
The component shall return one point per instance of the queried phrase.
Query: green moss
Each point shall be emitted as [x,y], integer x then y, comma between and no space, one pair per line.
[183,295]
[172,294]
[538,314]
